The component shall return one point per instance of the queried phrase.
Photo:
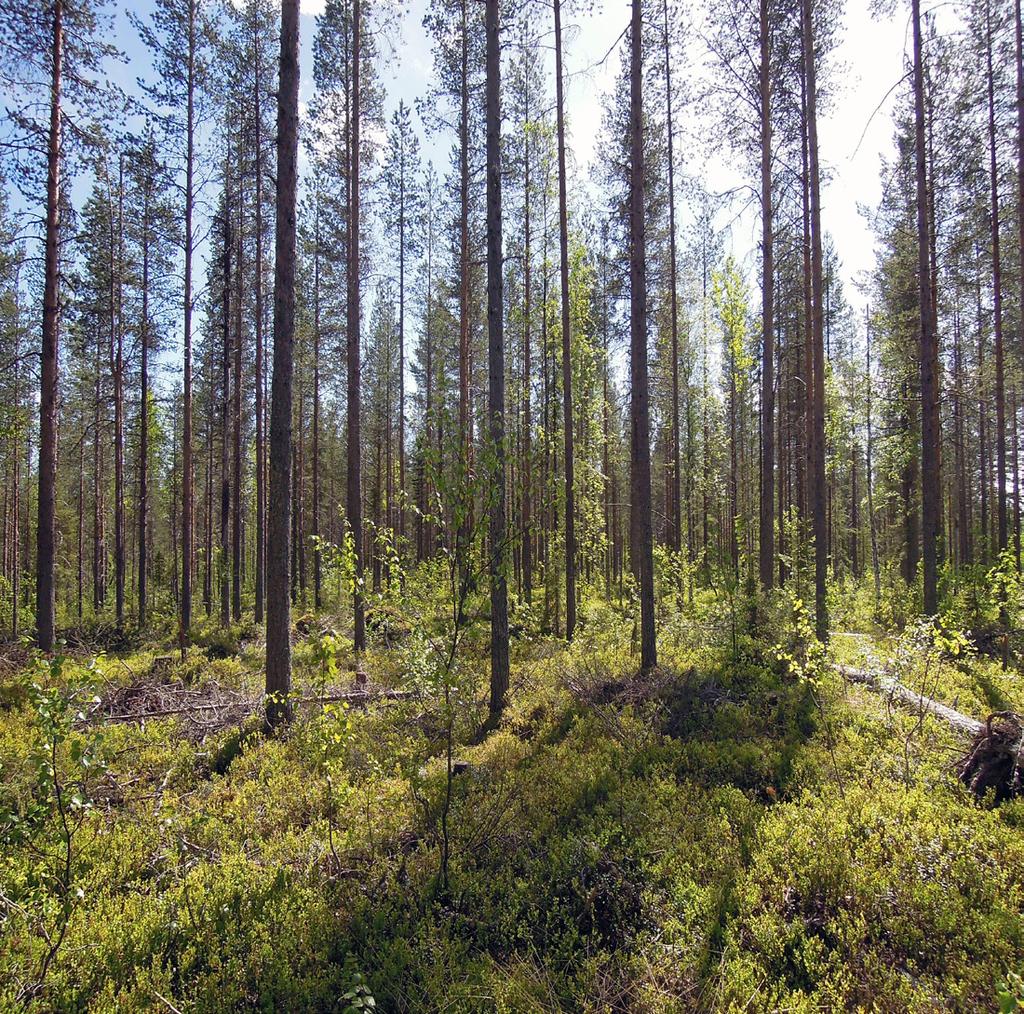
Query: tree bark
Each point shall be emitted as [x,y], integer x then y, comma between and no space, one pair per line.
[279,515]
[355,503]
[767,532]
[187,495]
[496,367]
[117,371]
[236,410]
[931,492]
[817,334]
[639,394]
[261,452]
[225,412]
[144,406]
[46,604]
[997,295]
[567,422]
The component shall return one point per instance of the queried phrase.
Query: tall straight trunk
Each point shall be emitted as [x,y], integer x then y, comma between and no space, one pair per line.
[225,412]
[639,395]
[299,530]
[963,493]
[427,541]
[527,515]
[767,532]
[144,411]
[675,497]
[563,244]
[117,371]
[1019,52]
[1016,477]
[931,492]
[872,521]
[817,334]
[496,367]
[464,421]
[187,496]
[983,449]
[46,602]
[81,532]
[997,294]
[261,451]
[208,555]
[175,576]
[236,412]
[16,454]
[279,676]
[98,537]
[401,355]
[355,494]
[734,443]
[315,527]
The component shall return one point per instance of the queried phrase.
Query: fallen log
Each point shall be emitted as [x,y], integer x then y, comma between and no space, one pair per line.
[889,685]
[248,705]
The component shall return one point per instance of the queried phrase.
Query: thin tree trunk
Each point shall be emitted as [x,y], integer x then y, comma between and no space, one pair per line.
[527,517]
[464,420]
[279,515]
[144,410]
[767,531]
[225,411]
[639,395]
[875,567]
[563,243]
[817,334]
[261,451]
[317,556]
[117,370]
[931,492]
[355,504]
[496,367]
[236,411]
[46,604]
[187,496]
[997,295]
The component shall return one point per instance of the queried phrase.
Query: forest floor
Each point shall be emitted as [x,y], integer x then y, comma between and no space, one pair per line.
[719,836]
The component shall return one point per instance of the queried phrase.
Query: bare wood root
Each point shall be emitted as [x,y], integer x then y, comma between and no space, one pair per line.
[995,760]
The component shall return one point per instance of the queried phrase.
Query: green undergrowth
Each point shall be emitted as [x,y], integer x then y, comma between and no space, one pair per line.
[719,836]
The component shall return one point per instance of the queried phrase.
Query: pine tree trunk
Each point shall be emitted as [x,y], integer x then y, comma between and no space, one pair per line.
[236,411]
[46,604]
[225,412]
[354,502]
[279,514]
[817,334]
[931,492]
[997,295]
[563,244]
[144,412]
[117,371]
[639,395]
[496,368]
[527,515]
[187,496]
[315,526]
[767,530]
[261,452]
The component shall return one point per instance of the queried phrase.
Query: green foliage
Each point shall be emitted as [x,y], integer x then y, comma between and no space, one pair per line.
[741,828]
